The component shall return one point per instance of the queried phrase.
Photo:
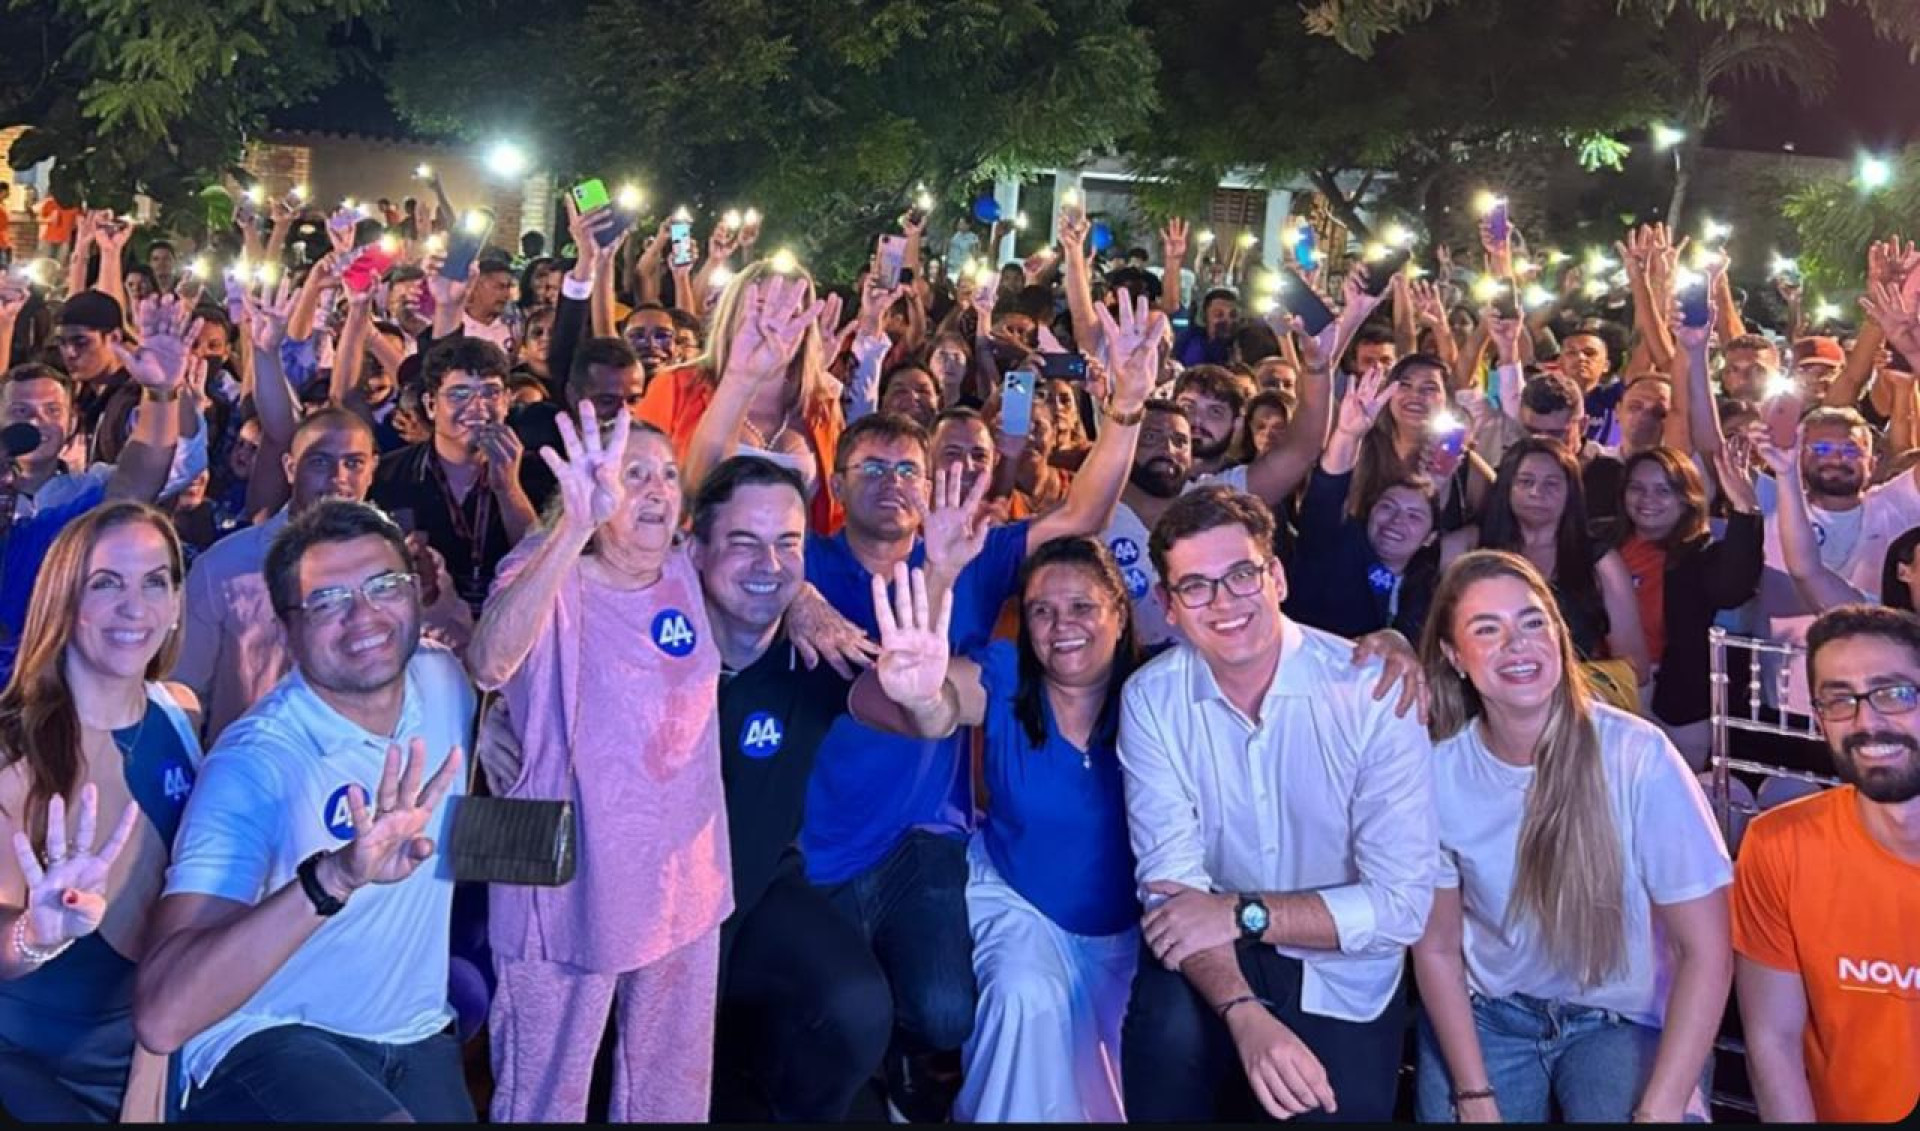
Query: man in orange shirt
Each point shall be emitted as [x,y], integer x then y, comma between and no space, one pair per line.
[1826,900]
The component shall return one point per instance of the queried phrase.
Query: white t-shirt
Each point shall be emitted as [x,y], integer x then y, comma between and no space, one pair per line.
[272,793]
[1671,849]
[1126,537]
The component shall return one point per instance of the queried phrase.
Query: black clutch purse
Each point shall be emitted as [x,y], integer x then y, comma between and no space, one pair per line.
[503,840]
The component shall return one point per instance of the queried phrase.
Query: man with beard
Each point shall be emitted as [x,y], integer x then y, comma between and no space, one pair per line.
[1214,398]
[308,815]
[1826,897]
[1210,342]
[233,651]
[1750,360]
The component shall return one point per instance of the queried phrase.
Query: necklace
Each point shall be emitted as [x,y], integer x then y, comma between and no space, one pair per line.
[126,749]
[763,441]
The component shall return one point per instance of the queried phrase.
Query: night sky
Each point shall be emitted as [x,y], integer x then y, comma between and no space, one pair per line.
[1875,104]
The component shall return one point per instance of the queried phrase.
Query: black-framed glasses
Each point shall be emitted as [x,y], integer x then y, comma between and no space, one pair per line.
[1893,699]
[331,603]
[460,396]
[1243,580]
[1822,449]
[906,471]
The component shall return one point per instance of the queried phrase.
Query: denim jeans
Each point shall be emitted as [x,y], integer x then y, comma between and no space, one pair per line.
[912,909]
[1592,1063]
[299,1074]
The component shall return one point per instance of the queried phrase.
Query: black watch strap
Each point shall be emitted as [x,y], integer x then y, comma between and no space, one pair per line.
[324,904]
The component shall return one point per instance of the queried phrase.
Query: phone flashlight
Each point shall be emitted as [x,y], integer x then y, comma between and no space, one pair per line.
[423,172]
[784,262]
[731,219]
[475,222]
[630,197]
[1778,385]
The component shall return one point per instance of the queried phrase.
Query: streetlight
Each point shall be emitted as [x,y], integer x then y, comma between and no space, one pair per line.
[1875,172]
[505,159]
[1666,137]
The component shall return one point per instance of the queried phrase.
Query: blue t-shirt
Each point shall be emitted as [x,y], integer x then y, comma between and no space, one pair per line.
[27,544]
[1057,816]
[1337,583]
[869,788]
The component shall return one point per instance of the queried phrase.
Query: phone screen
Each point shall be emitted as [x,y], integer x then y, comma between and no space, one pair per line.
[1305,249]
[591,194]
[681,232]
[892,258]
[1071,366]
[1299,300]
[1016,402]
[1381,271]
[464,244]
[1497,225]
[1695,311]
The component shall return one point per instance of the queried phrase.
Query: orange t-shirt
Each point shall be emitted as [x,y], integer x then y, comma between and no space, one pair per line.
[1647,563]
[57,222]
[676,399]
[1815,894]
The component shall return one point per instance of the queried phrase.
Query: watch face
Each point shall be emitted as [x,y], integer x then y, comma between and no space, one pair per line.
[1253,917]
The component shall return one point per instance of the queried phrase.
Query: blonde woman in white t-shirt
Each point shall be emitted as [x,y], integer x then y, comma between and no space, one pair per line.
[1577,956]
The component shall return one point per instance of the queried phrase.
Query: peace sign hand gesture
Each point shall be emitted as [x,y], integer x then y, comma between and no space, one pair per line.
[776,321]
[168,330]
[68,897]
[387,843]
[1131,345]
[912,667]
[589,480]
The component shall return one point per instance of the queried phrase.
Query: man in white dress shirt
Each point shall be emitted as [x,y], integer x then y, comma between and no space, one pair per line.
[1282,817]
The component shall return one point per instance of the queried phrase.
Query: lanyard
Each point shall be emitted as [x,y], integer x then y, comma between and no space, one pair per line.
[475,532]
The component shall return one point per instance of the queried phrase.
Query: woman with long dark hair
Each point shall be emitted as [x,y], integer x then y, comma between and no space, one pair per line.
[1683,575]
[96,761]
[1408,441]
[1577,953]
[1537,509]
[1051,894]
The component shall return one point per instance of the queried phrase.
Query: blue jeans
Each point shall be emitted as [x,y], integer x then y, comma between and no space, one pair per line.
[912,909]
[299,1074]
[1593,1063]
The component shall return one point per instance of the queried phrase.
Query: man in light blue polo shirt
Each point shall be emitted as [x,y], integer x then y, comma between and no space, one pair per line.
[300,952]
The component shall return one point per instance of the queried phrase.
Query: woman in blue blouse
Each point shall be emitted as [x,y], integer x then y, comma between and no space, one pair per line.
[1051,895]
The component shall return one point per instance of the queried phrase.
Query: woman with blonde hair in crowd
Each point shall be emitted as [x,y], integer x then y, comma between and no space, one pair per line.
[1577,953]
[96,761]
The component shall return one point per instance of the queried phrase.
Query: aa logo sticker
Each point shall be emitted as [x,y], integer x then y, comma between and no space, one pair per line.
[175,783]
[761,737]
[1125,551]
[673,632]
[1136,582]
[336,815]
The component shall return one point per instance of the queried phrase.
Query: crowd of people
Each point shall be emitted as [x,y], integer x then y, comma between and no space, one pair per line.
[1078,689]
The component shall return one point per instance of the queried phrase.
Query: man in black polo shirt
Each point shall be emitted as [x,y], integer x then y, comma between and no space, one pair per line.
[804,1007]
[461,488]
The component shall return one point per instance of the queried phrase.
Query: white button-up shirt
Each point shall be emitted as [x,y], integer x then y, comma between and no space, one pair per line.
[1329,793]
[271,794]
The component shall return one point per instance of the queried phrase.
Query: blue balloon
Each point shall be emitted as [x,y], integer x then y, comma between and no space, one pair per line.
[986,209]
[1101,236]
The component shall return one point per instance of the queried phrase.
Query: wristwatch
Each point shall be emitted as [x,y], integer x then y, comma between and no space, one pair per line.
[1123,419]
[1251,915]
[324,904]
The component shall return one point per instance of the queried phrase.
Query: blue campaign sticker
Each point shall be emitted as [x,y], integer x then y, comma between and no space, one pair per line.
[673,632]
[1125,551]
[762,736]
[337,816]
[176,781]
[1136,580]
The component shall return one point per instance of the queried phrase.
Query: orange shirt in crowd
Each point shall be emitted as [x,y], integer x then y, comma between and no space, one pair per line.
[1647,563]
[1814,894]
[57,222]
[677,398]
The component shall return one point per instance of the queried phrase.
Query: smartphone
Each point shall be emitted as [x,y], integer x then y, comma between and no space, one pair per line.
[1071,366]
[1695,311]
[614,226]
[681,233]
[1298,299]
[1497,225]
[890,261]
[464,243]
[1306,249]
[591,194]
[1381,271]
[1505,304]
[1016,402]
[370,264]
[1448,431]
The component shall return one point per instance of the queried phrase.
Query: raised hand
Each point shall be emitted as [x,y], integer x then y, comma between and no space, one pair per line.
[501,451]
[387,844]
[429,568]
[12,302]
[266,318]
[581,228]
[1073,229]
[832,310]
[340,228]
[1505,333]
[912,667]
[1173,241]
[1734,469]
[722,242]
[1428,309]
[954,529]
[1897,313]
[591,486]
[1131,346]
[112,236]
[1363,402]
[1355,303]
[67,898]
[772,328]
[448,292]
[167,333]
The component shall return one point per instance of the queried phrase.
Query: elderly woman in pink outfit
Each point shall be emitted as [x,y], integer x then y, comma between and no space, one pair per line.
[597,635]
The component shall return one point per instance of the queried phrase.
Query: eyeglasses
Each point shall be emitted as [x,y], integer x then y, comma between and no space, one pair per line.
[1243,580]
[331,604]
[1893,699]
[1821,449]
[460,396]
[874,469]
[662,337]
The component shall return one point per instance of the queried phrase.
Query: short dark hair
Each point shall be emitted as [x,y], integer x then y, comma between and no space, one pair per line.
[687,320]
[159,245]
[884,426]
[1138,281]
[1204,509]
[1168,408]
[477,356]
[34,371]
[965,414]
[886,379]
[733,473]
[613,353]
[1216,293]
[1550,393]
[1751,342]
[1256,342]
[1373,334]
[647,307]
[325,522]
[1896,626]
[1036,302]
[493,265]
[1218,382]
[333,417]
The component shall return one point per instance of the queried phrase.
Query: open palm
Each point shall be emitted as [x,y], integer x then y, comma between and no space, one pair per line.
[591,487]
[388,844]
[1131,343]
[775,323]
[913,640]
[167,332]
[67,897]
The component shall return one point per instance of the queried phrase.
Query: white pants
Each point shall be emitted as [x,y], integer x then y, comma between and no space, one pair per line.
[1046,1035]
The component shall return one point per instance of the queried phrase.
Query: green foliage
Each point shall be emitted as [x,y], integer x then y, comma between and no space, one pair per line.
[156,97]
[1837,219]
[1599,151]
[823,115]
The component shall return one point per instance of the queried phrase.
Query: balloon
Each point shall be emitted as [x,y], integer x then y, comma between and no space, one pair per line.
[986,210]
[1101,236]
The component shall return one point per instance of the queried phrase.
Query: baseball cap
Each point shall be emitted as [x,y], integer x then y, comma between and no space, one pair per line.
[1822,349]
[92,310]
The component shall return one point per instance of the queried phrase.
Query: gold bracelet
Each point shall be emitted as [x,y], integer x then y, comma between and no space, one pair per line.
[1123,419]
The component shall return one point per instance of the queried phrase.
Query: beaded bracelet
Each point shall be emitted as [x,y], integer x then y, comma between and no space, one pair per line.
[34,955]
